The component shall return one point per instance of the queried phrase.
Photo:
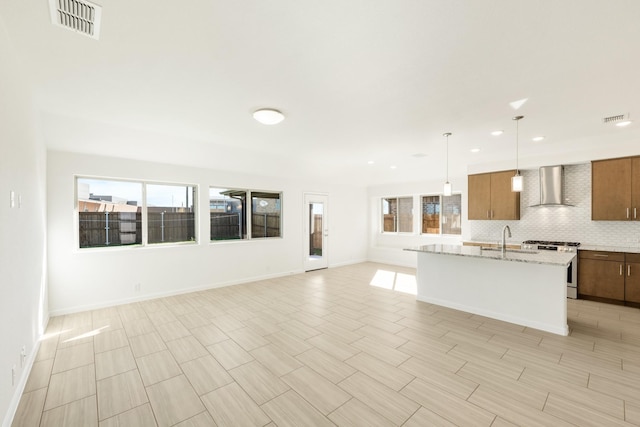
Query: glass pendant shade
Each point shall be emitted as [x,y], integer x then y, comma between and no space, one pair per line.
[516,182]
[447,189]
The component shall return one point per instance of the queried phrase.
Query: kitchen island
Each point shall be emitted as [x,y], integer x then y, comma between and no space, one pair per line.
[527,288]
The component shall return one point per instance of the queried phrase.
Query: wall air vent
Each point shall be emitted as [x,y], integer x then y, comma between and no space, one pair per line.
[612,119]
[79,16]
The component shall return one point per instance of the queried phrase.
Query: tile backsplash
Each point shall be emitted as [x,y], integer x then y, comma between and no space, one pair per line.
[562,223]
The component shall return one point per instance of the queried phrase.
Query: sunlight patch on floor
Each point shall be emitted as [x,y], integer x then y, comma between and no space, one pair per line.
[87,334]
[400,282]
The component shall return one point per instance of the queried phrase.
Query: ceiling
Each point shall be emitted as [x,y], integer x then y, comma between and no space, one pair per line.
[358,81]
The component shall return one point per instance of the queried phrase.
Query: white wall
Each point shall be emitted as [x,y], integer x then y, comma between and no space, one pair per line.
[89,278]
[570,223]
[23,309]
[388,247]
[563,223]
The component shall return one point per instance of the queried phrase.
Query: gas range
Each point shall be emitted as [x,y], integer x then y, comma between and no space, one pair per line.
[548,245]
[572,269]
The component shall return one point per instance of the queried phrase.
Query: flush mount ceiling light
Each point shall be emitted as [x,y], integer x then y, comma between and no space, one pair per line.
[537,138]
[497,132]
[447,185]
[268,116]
[516,180]
[80,16]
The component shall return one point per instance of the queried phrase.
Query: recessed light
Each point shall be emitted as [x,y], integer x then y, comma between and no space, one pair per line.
[475,150]
[537,138]
[393,167]
[268,116]
[497,132]
[370,162]
[624,123]
[418,155]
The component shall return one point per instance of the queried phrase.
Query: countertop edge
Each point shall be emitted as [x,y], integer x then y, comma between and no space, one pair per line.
[542,257]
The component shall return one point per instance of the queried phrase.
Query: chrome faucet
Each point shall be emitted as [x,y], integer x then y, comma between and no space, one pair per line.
[504,239]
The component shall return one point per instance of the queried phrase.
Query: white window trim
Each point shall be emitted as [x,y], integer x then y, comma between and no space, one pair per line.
[144,217]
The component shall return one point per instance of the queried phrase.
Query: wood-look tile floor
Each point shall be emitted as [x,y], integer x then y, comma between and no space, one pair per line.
[347,346]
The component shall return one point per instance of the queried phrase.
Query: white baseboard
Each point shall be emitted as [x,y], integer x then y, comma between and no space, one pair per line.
[150,296]
[344,264]
[22,382]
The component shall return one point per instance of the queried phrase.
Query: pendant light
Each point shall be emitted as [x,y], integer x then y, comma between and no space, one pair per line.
[447,185]
[516,180]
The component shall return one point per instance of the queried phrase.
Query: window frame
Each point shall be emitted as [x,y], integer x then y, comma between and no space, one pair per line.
[440,214]
[247,207]
[143,211]
[397,216]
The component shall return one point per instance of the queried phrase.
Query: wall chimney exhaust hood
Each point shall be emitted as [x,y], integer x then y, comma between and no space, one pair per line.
[552,186]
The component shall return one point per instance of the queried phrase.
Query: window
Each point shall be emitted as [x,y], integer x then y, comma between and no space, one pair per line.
[170,213]
[441,214]
[431,214]
[265,214]
[397,215]
[452,214]
[231,217]
[110,213]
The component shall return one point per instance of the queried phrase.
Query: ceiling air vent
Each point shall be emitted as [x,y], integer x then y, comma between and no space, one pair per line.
[612,119]
[79,16]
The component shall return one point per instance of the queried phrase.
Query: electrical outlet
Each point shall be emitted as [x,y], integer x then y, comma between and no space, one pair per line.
[13,375]
[136,287]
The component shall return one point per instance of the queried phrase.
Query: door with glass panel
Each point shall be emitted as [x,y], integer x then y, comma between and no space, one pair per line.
[316,231]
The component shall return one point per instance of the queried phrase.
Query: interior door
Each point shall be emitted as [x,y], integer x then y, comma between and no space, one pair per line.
[316,231]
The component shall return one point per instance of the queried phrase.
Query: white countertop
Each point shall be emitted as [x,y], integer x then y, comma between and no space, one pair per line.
[539,257]
[630,249]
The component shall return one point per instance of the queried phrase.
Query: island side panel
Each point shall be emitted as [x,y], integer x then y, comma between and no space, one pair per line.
[528,294]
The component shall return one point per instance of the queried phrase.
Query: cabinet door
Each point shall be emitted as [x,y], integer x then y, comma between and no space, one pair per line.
[635,188]
[610,189]
[505,204]
[632,278]
[479,193]
[603,279]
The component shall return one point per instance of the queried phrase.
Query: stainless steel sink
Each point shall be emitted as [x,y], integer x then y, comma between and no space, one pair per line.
[516,251]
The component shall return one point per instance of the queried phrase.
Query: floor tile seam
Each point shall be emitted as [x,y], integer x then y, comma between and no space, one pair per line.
[68,403]
[308,401]
[370,408]
[569,397]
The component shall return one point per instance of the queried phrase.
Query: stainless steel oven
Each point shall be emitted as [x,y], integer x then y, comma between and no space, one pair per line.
[572,269]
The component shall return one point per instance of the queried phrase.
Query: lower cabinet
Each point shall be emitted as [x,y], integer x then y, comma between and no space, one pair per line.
[610,276]
[632,278]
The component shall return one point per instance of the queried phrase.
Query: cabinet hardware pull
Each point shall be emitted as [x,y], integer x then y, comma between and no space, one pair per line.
[488,215]
[628,269]
[627,213]
[621,269]
[601,255]
[634,213]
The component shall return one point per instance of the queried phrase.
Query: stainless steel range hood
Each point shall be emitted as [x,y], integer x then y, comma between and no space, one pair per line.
[552,186]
